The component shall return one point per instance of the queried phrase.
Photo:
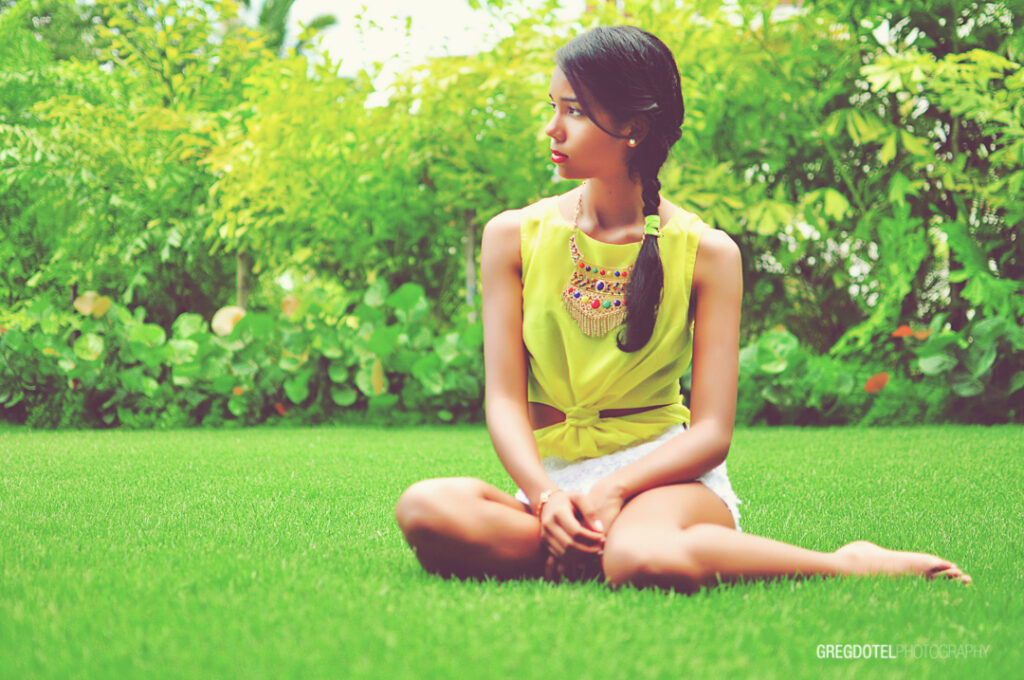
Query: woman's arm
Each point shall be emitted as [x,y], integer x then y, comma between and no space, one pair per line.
[717,293]
[505,394]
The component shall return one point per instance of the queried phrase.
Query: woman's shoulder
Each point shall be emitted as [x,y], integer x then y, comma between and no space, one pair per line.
[717,248]
[505,233]
[717,257]
[712,248]
[511,221]
[684,220]
[680,218]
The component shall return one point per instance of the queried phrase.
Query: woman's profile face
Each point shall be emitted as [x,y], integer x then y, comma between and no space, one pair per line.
[579,148]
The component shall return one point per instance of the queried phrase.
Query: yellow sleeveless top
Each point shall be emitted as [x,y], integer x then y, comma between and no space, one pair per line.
[581,375]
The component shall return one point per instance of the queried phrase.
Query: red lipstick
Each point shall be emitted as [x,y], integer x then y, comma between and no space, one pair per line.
[557,157]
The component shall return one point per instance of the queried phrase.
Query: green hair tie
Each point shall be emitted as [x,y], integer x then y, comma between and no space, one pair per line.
[652,225]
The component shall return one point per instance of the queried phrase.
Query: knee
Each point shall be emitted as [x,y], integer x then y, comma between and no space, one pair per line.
[424,509]
[655,560]
[417,508]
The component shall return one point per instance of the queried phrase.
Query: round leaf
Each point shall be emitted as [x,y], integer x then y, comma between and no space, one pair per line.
[101,306]
[187,325]
[85,302]
[149,386]
[936,364]
[376,293]
[338,372]
[297,387]
[89,347]
[343,396]
[427,370]
[183,351]
[407,297]
[237,406]
[148,334]
[370,378]
[329,344]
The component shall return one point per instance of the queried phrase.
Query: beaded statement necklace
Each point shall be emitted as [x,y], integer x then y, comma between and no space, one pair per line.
[595,296]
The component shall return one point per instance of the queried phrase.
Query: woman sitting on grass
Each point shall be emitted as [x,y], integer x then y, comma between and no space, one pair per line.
[594,302]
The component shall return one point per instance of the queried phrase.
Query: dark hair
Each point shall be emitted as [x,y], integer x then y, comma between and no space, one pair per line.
[628,72]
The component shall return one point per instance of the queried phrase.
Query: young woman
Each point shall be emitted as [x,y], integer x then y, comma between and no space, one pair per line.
[594,302]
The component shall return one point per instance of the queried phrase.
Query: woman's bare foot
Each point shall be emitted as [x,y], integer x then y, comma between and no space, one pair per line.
[862,558]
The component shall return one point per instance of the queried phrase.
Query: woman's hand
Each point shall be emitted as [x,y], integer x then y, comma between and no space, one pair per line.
[573,535]
[607,499]
[569,524]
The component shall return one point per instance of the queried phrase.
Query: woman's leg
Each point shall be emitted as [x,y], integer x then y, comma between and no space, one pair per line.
[465,527]
[683,537]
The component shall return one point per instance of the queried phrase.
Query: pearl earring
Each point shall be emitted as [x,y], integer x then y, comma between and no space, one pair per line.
[631,142]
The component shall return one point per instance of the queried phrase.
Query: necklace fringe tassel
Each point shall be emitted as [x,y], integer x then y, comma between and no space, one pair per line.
[594,323]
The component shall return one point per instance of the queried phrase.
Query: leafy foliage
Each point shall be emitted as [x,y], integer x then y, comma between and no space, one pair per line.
[105,365]
[866,156]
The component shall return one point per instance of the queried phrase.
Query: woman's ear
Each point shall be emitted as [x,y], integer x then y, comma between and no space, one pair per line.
[638,128]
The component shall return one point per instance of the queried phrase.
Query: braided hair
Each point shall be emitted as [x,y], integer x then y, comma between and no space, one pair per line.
[629,72]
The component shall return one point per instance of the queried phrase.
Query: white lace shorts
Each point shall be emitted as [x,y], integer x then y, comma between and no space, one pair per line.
[581,475]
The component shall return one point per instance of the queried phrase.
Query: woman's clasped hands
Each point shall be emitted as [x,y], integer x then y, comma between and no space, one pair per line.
[573,528]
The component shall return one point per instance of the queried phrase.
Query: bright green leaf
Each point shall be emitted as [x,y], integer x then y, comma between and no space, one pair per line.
[936,364]
[183,351]
[89,347]
[914,145]
[966,386]
[187,325]
[338,372]
[343,396]
[376,293]
[888,150]
[980,358]
[297,386]
[237,405]
[148,334]
[407,297]
[836,204]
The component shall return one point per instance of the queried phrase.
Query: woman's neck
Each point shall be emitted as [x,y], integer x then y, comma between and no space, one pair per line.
[611,205]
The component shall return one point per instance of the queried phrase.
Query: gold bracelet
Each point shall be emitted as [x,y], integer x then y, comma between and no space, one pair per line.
[544,498]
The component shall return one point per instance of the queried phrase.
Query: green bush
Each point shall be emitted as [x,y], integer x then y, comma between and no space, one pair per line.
[781,382]
[976,373]
[104,365]
[925,376]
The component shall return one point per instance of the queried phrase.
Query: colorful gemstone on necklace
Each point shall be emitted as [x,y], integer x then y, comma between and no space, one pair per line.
[595,304]
[600,284]
[607,304]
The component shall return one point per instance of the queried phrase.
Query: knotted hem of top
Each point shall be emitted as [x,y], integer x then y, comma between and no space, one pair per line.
[585,434]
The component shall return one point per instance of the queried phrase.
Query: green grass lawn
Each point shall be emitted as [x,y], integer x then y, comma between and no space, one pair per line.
[273,553]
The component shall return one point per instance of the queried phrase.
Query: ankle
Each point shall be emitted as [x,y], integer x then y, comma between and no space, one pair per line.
[845,561]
